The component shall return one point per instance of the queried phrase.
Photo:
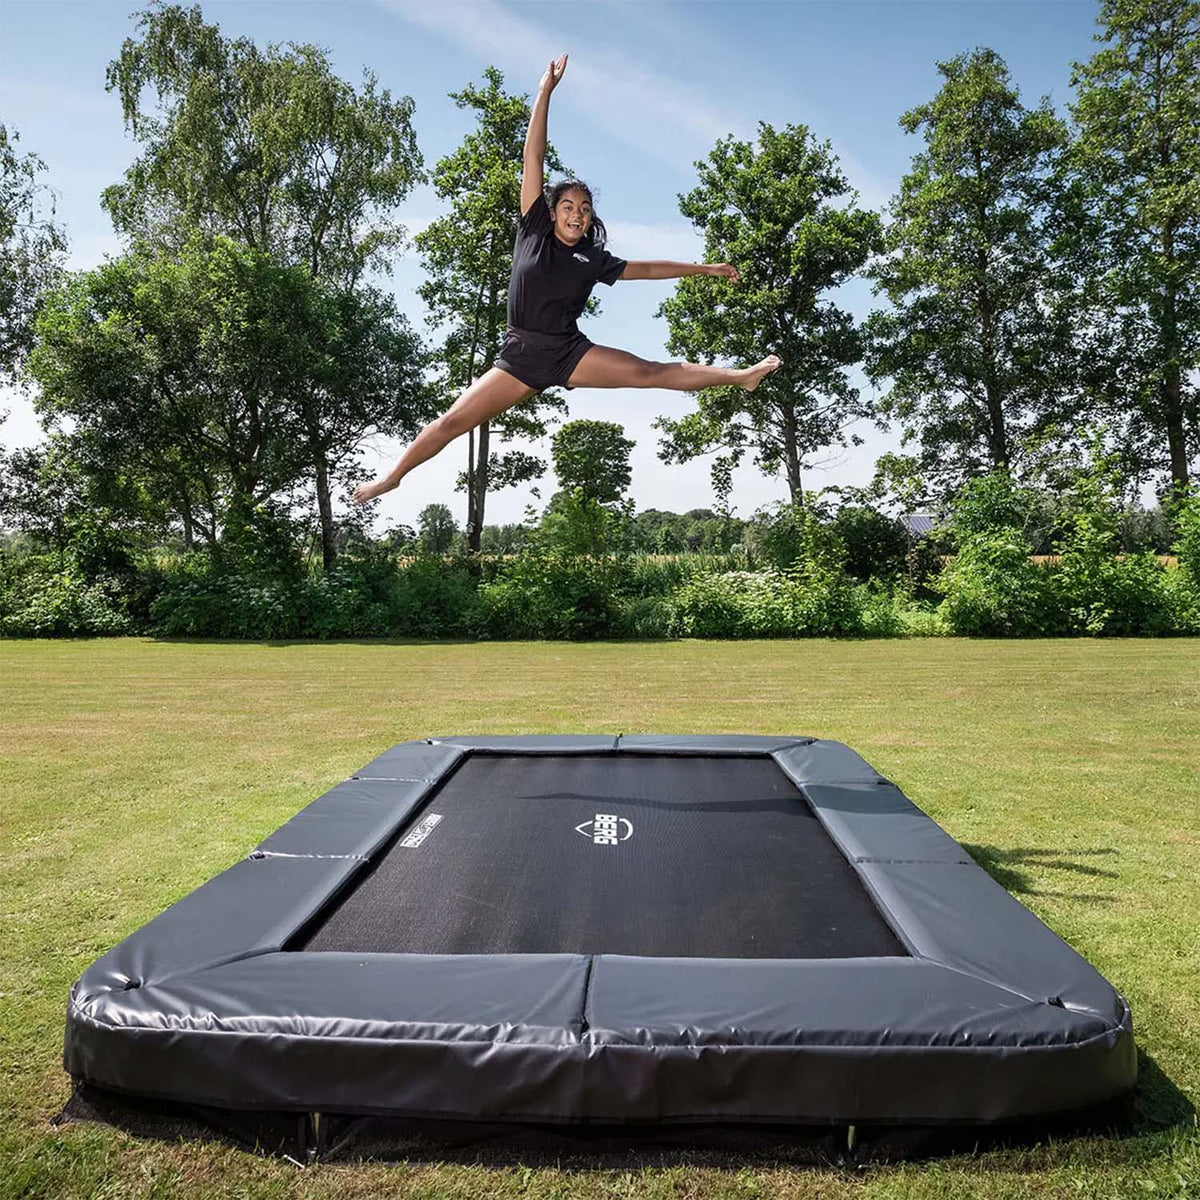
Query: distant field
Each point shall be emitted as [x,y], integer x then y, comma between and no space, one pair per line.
[133,770]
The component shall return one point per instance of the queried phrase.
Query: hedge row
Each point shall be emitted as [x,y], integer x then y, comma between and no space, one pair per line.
[990,589]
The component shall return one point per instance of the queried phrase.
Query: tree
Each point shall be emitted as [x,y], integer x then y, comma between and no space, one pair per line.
[43,494]
[31,248]
[192,378]
[1138,156]
[592,456]
[436,523]
[468,260]
[976,361]
[361,373]
[784,213]
[273,149]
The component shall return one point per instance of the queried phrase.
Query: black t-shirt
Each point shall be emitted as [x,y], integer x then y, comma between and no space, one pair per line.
[552,281]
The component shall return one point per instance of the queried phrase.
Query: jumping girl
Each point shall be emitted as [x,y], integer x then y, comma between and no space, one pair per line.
[558,258]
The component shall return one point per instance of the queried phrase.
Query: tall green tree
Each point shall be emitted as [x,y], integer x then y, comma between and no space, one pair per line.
[784,214]
[468,260]
[972,358]
[593,458]
[194,376]
[32,246]
[269,147]
[1137,157]
[437,528]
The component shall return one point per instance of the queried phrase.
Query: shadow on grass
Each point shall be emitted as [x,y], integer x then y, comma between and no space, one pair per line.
[1005,867]
[1105,1134]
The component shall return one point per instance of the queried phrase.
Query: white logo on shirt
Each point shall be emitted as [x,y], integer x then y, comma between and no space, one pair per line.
[581,257]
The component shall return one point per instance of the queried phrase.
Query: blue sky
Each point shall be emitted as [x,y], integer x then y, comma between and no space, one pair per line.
[650,86]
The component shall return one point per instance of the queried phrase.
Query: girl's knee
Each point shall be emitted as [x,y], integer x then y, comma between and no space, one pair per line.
[449,425]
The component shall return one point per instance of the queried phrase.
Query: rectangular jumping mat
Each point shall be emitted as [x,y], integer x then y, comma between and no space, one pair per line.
[597,854]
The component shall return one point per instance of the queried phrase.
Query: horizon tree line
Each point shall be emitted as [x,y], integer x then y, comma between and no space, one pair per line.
[1041,277]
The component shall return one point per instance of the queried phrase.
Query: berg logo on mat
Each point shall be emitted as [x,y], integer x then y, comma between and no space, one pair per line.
[417,835]
[605,829]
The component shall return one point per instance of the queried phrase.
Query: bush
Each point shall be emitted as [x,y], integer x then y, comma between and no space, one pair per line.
[991,589]
[643,617]
[1097,592]
[1100,594]
[62,605]
[875,545]
[548,594]
[433,597]
[768,604]
[1187,545]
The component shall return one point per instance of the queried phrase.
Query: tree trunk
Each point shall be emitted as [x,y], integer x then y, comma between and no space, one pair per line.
[791,456]
[997,434]
[325,505]
[1172,377]
[477,497]
[477,500]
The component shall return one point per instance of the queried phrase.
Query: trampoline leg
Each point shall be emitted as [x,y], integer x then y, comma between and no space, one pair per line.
[851,1138]
[317,1148]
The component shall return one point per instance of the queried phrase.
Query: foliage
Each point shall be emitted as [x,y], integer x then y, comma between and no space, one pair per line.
[1136,162]
[787,534]
[268,147]
[784,212]
[1098,591]
[576,523]
[437,528]
[1188,545]
[875,545]
[273,150]
[996,502]
[973,357]
[32,248]
[991,588]
[435,597]
[593,458]
[43,493]
[39,597]
[546,593]
[190,380]
[699,529]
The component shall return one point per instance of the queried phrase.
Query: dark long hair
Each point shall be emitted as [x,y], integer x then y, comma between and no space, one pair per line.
[596,235]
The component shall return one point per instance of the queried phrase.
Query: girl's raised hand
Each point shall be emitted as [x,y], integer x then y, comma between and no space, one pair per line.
[554,72]
[723,269]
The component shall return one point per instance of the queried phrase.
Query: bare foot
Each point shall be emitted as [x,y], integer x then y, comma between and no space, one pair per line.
[753,375]
[368,491]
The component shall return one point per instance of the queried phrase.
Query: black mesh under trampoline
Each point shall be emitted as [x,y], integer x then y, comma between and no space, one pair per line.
[596,854]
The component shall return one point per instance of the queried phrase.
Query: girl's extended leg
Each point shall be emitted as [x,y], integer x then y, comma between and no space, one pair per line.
[491,394]
[603,366]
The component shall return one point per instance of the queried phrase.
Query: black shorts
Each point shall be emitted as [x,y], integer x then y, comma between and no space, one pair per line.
[541,360]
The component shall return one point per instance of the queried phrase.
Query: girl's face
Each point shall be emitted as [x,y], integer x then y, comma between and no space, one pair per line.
[572,215]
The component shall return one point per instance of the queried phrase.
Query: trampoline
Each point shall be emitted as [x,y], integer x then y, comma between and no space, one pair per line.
[606,931]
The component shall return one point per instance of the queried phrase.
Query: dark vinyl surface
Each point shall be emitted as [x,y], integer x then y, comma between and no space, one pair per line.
[713,857]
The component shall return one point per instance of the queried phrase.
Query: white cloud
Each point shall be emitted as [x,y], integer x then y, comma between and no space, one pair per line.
[660,116]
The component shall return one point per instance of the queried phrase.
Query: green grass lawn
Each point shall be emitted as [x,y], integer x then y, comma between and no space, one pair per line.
[131,771]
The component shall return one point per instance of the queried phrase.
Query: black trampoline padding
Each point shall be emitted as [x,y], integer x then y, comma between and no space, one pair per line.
[635,930]
[598,854]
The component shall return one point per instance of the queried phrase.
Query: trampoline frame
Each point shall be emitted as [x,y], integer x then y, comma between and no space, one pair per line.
[993,1018]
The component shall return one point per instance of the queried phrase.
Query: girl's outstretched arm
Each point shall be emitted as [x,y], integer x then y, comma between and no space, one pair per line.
[676,270]
[535,136]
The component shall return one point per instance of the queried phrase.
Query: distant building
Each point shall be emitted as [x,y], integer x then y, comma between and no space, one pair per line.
[917,525]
